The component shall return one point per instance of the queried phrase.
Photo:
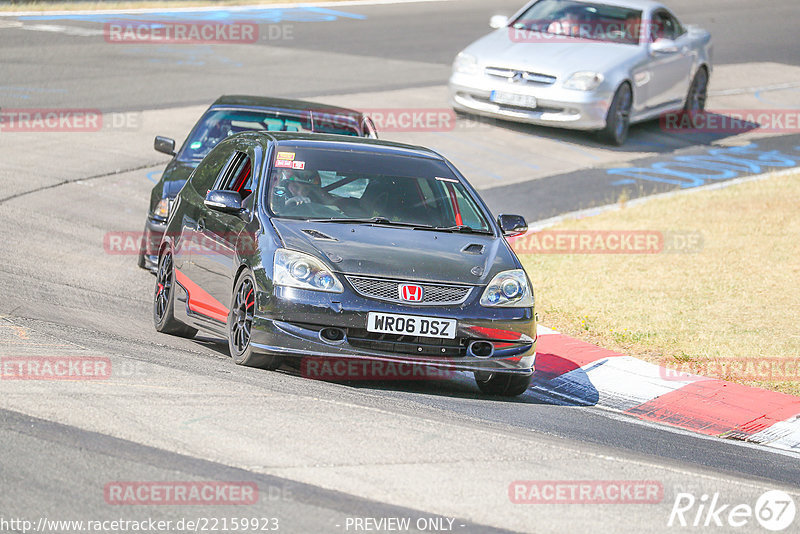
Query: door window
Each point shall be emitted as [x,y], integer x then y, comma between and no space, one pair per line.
[237,175]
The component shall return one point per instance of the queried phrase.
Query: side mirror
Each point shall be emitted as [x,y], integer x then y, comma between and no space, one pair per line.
[165,145]
[512,225]
[224,201]
[498,21]
[663,46]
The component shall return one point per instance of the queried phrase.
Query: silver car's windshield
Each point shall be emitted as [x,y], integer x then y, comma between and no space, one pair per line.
[572,19]
[353,186]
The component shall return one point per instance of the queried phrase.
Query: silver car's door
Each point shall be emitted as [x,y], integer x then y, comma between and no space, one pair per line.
[671,59]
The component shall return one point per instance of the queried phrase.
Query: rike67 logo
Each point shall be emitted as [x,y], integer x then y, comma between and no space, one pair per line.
[774,510]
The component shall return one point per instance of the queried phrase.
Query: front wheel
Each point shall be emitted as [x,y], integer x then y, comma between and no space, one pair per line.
[618,119]
[164,300]
[698,93]
[503,384]
[240,324]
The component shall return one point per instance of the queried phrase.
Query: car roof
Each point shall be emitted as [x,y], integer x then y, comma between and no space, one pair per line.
[644,5]
[282,103]
[341,142]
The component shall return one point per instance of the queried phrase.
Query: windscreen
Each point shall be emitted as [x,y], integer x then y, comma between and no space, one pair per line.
[582,20]
[315,183]
[217,124]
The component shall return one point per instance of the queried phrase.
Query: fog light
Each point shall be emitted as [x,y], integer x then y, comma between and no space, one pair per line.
[481,349]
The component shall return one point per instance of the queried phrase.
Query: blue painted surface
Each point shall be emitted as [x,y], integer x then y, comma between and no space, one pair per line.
[153,176]
[224,15]
[713,165]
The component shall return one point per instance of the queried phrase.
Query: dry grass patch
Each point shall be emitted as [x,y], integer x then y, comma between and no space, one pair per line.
[736,300]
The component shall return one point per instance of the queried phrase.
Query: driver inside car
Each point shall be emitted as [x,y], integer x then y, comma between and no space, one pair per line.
[572,23]
[305,187]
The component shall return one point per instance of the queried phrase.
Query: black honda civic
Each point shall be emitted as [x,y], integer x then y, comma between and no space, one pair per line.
[324,246]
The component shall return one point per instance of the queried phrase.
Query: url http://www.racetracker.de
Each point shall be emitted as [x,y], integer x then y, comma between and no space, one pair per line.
[199,524]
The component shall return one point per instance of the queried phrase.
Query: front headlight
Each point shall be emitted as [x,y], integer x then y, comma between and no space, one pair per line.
[584,81]
[508,289]
[296,269]
[162,208]
[465,64]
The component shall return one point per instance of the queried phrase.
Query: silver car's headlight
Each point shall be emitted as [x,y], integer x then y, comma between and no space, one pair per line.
[465,64]
[584,81]
[508,289]
[296,269]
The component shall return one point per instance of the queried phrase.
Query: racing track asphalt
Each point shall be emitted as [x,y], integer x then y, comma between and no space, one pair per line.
[183,411]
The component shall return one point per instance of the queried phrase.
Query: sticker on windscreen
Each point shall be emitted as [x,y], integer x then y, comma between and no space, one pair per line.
[285,156]
[299,165]
[284,163]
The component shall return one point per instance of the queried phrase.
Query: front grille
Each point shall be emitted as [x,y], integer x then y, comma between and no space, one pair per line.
[421,346]
[432,294]
[520,75]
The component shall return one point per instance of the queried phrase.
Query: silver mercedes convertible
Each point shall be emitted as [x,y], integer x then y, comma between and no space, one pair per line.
[584,65]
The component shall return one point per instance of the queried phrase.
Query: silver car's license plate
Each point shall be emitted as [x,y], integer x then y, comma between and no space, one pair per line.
[513,99]
[411,325]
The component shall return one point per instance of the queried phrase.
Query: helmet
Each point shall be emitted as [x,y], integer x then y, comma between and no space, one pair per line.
[293,175]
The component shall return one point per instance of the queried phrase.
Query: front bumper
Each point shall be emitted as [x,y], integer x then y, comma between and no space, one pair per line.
[290,321]
[154,230]
[556,106]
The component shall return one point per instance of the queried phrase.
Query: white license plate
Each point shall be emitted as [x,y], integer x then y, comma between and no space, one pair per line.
[411,325]
[513,99]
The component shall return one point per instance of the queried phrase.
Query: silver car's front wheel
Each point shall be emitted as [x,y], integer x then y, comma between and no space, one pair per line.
[619,116]
[698,92]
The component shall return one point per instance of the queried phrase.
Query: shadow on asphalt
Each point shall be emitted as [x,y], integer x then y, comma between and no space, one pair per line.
[460,386]
[650,136]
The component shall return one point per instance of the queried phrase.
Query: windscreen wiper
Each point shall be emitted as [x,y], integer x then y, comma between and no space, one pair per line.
[462,228]
[373,220]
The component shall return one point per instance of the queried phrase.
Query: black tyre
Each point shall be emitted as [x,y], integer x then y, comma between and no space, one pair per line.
[698,92]
[164,300]
[618,119]
[240,323]
[503,384]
